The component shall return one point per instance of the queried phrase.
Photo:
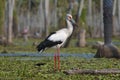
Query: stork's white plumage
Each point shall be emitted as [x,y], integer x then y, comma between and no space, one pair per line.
[58,38]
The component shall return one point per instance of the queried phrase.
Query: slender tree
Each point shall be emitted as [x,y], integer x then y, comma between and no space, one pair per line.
[79,11]
[9,19]
[46,16]
[70,6]
[81,35]
[41,17]
[101,17]
[90,17]
[29,15]
[55,20]
[114,17]
[119,11]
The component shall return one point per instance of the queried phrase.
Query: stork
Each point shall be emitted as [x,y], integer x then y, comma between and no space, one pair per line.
[57,39]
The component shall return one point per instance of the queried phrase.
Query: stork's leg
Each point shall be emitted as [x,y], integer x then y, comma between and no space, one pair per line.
[58,57]
[55,57]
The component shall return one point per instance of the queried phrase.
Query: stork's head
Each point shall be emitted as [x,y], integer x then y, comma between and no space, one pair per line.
[69,17]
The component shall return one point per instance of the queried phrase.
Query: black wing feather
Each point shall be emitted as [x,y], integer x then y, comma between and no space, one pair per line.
[47,43]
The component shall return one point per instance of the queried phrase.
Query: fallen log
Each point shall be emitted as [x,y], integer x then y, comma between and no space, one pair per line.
[94,72]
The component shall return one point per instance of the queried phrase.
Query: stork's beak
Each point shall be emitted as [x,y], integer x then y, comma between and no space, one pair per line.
[74,23]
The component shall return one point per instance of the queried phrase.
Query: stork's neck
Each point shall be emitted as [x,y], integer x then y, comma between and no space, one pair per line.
[69,26]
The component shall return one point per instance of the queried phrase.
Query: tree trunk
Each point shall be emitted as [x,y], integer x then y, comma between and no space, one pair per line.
[28,17]
[15,25]
[79,11]
[108,50]
[81,38]
[55,20]
[41,17]
[9,19]
[114,12]
[81,35]
[119,12]
[108,21]
[70,7]
[114,7]
[90,17]
[46,16]
[101,18]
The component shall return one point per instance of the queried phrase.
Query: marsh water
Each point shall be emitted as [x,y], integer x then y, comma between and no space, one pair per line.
[23,54]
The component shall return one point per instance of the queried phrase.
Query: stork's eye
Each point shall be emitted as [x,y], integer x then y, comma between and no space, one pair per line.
[69,17]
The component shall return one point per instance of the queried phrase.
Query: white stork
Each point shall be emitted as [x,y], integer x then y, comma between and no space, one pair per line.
[57,39]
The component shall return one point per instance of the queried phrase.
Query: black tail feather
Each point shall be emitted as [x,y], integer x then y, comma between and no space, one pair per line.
[41,47]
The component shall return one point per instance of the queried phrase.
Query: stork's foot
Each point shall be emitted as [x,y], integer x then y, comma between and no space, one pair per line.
[56,70]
